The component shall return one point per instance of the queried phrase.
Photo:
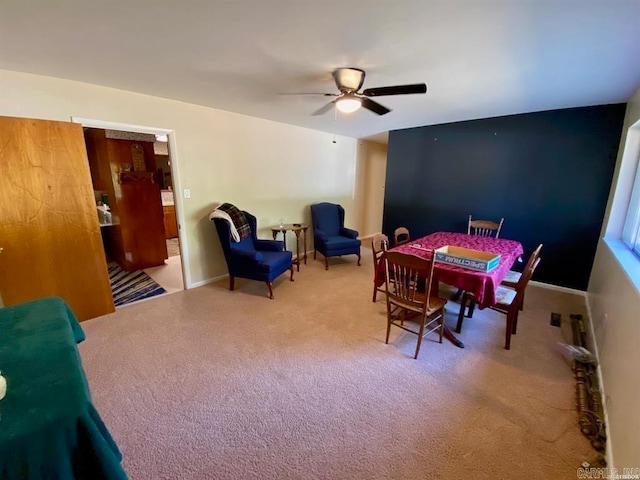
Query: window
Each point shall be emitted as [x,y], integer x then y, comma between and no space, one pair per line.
[631,231]
[622,234]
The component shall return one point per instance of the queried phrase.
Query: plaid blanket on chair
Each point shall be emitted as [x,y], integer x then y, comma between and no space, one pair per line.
[237,221]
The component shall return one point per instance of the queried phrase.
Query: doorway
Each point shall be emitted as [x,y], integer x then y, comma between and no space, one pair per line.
[136,179]
[168,275]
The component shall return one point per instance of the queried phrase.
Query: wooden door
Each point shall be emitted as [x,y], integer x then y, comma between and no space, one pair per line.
[49,231]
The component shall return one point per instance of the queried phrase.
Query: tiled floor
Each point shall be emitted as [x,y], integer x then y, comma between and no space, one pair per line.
[173,247]
[169,275]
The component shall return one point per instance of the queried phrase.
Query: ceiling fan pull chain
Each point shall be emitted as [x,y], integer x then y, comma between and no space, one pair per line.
[335,121]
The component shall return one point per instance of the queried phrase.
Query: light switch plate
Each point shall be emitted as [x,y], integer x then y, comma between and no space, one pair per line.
[187,193]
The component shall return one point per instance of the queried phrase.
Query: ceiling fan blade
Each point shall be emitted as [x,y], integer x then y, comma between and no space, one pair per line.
[396,90]
[324,108]
[375,107]
[311,93]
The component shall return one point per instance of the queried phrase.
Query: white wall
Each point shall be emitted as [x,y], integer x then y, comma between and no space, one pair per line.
[614,303]
[270,169]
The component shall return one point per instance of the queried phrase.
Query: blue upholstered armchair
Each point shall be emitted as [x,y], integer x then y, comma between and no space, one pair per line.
[330,237]
[251,258]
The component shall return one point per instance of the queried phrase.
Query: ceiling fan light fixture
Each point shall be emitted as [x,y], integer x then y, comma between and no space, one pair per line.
[349,79]
[348,104]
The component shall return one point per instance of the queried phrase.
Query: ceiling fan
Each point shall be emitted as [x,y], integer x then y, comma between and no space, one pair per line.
[350,80]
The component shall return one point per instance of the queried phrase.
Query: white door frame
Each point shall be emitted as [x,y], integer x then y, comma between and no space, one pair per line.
[175,176]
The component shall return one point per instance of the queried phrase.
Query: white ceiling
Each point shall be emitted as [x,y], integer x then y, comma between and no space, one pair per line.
[478,58]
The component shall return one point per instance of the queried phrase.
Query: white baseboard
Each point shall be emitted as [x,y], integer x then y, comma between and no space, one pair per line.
[558,288]
[226,275]
[367,237]
[309,256]
[605,412]
[209,280]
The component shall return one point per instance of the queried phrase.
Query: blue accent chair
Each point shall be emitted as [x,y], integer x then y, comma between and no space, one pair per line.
[330,237]
[262,260]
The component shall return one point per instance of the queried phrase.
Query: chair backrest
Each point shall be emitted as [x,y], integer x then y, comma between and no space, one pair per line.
[224,232]
[526,276]
[534,256]
[379,244]
[401,235]
[408,281]
[328,217]
[484,228]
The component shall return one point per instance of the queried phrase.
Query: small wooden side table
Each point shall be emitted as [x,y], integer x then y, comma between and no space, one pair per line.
[296,228]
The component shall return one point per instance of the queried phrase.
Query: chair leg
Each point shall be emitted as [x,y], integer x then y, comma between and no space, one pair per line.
[375,292]
[358,259]
[388,323]
[291,277]
[420,334]
[457,295]
[326,263]
[415,357]
[515,323]
[269,284]
[463,304]
[232,282]
[472,306]
[507,341]
[441,324]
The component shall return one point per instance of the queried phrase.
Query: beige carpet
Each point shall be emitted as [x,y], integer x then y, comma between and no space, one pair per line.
[212,384]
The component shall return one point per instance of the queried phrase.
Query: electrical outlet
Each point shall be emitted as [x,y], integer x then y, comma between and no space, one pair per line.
[187,193]
[128,256]
[556,319]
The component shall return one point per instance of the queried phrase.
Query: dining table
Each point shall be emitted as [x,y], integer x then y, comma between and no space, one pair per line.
[482,285]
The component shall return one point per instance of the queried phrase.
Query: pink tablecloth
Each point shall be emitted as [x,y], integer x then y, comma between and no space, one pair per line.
[483,285]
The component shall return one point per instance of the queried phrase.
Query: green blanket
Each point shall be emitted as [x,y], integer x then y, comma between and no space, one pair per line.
[48,426]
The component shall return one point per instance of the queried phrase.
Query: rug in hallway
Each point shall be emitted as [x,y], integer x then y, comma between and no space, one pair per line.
[128,287]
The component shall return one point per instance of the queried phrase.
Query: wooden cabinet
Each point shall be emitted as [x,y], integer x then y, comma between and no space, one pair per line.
[170,222]
[125,169]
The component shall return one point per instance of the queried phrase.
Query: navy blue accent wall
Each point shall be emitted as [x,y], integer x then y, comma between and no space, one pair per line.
[547,173]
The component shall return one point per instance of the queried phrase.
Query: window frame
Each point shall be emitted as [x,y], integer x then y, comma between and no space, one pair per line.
[631,229]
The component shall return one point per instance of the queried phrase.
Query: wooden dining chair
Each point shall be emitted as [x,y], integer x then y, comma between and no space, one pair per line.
[379,245]
[481,228]
[508,301]
[401,235]
[409,297]
[484,228]
[511,280]
[513,277]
